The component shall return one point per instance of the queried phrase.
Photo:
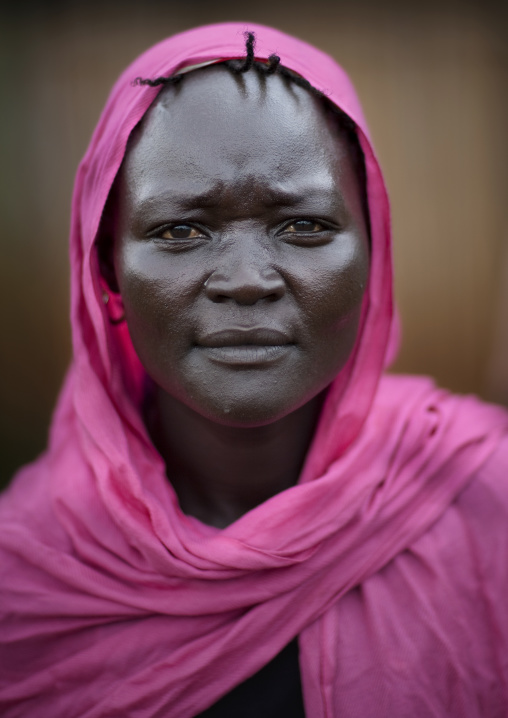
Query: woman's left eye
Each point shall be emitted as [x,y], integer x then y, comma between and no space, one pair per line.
[304,226]
[181,231]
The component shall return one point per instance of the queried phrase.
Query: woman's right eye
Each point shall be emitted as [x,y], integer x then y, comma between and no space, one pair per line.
[181,231]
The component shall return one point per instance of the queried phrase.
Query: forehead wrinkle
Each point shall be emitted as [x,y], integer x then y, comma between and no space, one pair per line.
[178,198]
[315,185]
[312,198]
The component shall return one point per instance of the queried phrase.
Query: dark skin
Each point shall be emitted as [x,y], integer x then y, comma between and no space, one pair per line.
[240,250]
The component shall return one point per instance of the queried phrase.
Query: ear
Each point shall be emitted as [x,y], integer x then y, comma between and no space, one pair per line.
[105,243]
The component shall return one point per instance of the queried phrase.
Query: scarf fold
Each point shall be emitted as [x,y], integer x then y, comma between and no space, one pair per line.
[117,604]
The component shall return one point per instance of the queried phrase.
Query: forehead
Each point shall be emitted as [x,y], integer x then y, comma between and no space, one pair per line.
[216,126]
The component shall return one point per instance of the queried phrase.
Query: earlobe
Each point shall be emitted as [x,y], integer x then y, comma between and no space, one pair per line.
[113,303]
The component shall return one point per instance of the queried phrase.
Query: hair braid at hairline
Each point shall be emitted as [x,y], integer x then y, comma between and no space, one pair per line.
[271,67]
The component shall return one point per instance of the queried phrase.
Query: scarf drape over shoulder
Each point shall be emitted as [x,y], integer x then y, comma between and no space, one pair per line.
[383,559]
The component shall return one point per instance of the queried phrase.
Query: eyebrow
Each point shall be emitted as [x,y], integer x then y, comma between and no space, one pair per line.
[274,196]
[312,192]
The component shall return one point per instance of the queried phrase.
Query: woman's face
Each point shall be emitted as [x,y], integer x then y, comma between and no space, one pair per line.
[240,246]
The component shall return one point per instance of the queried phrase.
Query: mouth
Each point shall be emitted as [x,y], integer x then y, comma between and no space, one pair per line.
[254,346]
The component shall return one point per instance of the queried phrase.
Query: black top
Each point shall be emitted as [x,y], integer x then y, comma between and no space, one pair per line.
[273,692]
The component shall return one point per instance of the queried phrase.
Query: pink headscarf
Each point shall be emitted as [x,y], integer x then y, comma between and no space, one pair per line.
[115,603]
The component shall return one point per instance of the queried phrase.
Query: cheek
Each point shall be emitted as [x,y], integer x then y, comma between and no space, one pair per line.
[333,309]
[154,298]
[339,282]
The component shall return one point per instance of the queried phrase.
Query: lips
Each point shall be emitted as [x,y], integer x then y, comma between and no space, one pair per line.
[237,337]
[254,346]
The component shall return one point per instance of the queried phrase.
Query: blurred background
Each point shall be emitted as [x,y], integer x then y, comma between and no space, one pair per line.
[433,80]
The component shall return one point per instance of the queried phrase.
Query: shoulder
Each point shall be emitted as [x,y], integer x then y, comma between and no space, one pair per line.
[462,561]
[468,427]
[474,530]
[466,549]
[482,509]
[431,627]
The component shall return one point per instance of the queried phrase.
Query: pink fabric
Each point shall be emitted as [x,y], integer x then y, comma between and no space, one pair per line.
[388,558]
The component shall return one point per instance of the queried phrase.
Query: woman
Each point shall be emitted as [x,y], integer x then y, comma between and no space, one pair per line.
[229,476]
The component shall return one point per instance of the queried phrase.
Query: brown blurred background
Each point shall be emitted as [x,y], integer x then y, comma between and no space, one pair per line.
[433,80]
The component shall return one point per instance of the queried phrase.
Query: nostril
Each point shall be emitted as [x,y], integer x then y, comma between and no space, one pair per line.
[245,286]
[218,297]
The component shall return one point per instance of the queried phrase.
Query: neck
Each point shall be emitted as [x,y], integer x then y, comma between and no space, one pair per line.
[221,472]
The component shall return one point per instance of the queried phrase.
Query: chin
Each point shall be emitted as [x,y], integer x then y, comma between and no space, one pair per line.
[244,416]
[250,411]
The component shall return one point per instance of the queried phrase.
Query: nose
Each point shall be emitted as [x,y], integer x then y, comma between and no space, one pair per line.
[245,277]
